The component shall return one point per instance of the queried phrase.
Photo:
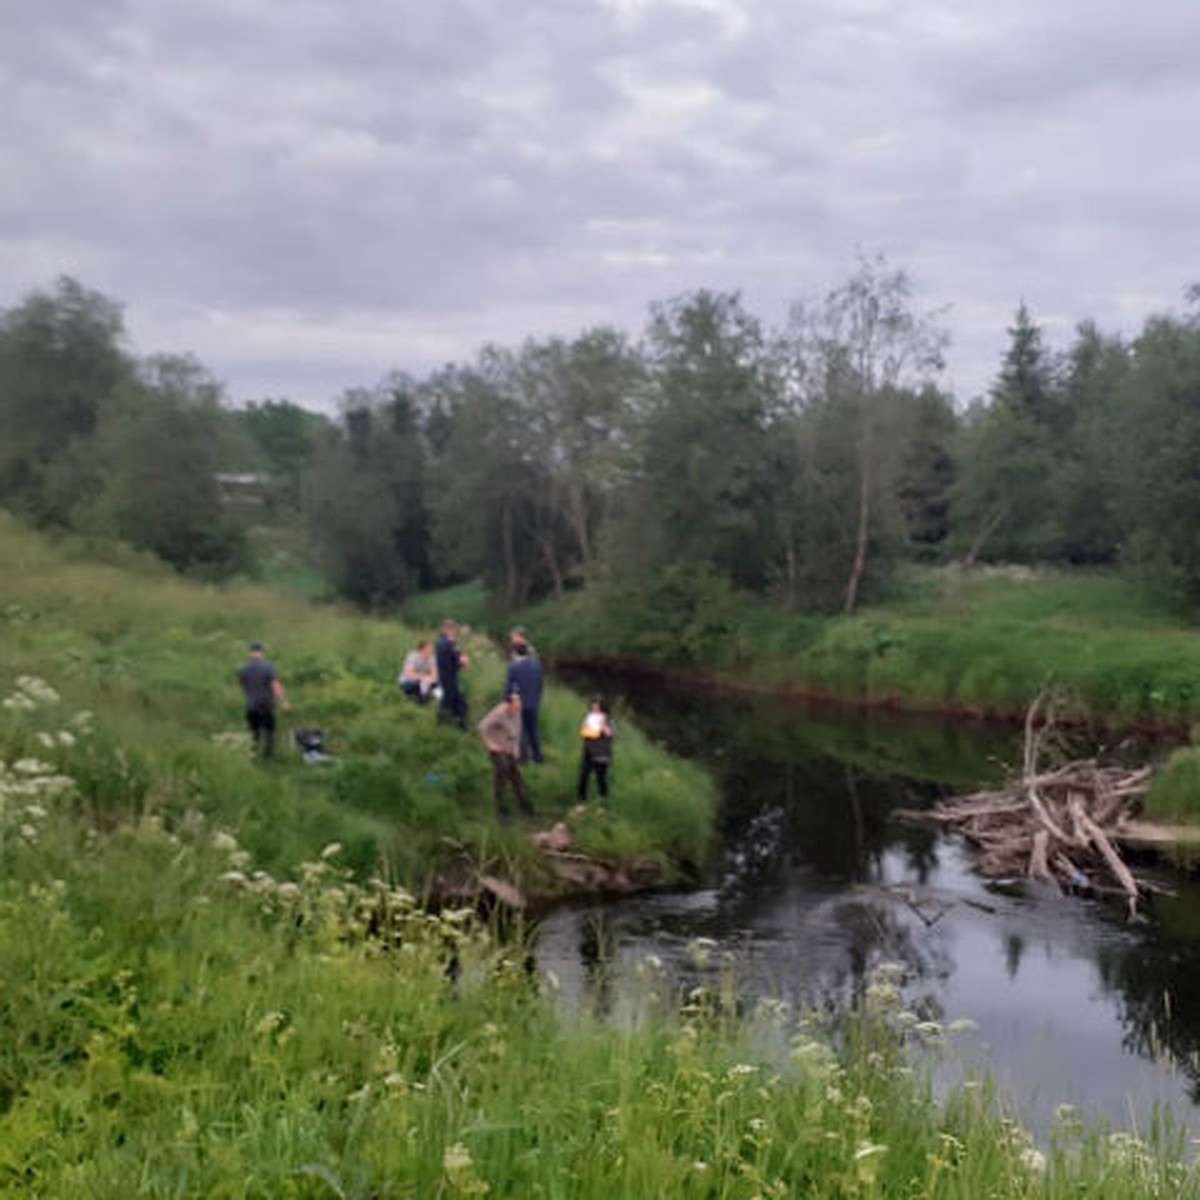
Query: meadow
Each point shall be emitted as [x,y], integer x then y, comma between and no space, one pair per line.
[214,982]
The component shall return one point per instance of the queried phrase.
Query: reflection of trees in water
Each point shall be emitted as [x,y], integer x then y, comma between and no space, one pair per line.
[824,815]
[597,953]
[1156,985]
[876,931]
[808,804]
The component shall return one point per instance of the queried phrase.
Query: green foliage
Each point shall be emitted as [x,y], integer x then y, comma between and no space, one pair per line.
[467,603]
[986,639]
[182,1028]
[1174,793]
[1160,429]
[61,363]
[364,499]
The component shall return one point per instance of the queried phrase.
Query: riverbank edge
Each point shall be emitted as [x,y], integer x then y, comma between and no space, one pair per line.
[1170,828]
[718,680]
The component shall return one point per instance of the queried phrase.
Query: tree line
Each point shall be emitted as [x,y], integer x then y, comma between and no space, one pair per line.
[709,458]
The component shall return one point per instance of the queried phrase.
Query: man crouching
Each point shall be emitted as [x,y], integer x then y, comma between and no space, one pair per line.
[501,734]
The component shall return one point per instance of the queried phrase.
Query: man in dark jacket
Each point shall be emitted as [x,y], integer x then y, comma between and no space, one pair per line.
[451,660]
[525,676]
[262,688]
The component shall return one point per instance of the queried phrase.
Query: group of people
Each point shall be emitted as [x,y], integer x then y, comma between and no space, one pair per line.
[509,731]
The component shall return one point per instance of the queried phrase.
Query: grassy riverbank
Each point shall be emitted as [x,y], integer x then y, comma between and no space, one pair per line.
[206,988]
[983,641]
[152,658]
[170,1029]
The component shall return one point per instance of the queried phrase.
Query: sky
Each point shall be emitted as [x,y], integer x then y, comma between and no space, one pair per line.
[308,195]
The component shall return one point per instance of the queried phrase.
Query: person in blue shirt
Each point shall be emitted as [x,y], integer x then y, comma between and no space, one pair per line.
[524,676]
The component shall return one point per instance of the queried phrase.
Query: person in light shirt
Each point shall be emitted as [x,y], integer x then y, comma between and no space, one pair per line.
[597,732]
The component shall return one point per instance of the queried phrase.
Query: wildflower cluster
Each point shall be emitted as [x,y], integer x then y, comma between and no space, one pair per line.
[29,694]
[324,902]
[31,782]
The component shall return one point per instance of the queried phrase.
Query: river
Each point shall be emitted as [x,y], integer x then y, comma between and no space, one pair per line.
[815,883]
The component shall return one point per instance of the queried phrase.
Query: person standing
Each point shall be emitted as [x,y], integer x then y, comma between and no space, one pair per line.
[501,734]
[525,676]
[597,731]
[262,687]
[450,661]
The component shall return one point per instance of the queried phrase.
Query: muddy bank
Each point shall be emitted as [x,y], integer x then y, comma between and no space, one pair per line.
[554,874]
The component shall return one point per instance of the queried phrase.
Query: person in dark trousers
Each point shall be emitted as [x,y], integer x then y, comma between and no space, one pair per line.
[450,661]
[597,731]
[262,687]
[501,734]
[525,676]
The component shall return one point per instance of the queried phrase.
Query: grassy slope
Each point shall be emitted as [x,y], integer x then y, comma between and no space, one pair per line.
[153,657]
[176,1020]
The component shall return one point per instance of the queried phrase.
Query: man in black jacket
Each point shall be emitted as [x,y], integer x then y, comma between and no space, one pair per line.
[525,676]
[451,660]
[262,687]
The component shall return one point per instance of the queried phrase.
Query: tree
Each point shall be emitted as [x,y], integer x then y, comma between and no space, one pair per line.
[483,480]
[576,400]
[286,437]
[61,362]
[1086,485]
[1158,401]
[701,492]
[1009,456]
[364,497]
[161,446]
[851,356]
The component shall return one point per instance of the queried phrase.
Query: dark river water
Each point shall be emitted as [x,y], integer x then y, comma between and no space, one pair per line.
[816,882]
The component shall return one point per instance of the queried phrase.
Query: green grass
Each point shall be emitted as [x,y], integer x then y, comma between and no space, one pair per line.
[467,603]
[154,658]
[185,1025]
[987,639]
[212,985]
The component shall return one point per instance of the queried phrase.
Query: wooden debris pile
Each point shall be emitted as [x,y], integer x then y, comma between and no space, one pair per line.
[1062,825]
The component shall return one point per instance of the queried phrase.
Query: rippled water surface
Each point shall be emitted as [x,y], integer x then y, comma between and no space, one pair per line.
[816,881]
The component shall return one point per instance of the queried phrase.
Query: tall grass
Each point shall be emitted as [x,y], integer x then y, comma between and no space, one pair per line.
[154,659]
[183,1027]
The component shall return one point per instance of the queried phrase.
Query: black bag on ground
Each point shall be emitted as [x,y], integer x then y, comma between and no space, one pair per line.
[310,741]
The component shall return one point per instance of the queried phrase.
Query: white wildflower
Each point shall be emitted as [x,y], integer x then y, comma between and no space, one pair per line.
[270,1022]
[1033,1160]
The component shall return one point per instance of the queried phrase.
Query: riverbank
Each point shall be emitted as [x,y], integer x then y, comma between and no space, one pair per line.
[977,643]
[152,659]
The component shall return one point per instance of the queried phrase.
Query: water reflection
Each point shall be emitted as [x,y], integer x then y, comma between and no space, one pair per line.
[817,883]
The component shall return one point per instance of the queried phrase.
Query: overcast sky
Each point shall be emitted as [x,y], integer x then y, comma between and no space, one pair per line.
[307,194]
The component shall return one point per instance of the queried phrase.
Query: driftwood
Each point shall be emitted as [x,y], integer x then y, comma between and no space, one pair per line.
[1063,825]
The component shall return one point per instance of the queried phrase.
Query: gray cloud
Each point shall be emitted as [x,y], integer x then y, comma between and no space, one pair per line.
[310,195]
